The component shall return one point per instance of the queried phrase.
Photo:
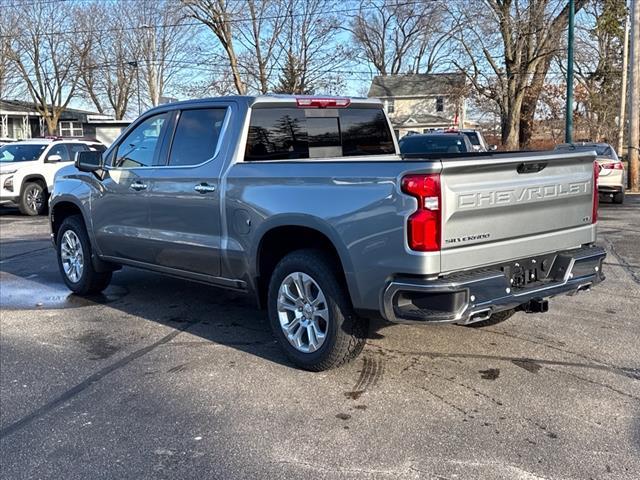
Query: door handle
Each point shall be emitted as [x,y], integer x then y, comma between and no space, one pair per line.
[204,188]
[137,186]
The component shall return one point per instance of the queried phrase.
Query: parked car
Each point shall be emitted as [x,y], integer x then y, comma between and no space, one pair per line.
[429,143]
[612,178]
[476,138]
[28,167]
[305,204]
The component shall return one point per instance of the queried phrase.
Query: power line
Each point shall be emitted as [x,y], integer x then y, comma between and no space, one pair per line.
[198,23]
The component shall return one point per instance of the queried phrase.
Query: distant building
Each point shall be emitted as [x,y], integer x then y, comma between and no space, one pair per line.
[421,102]
[20,120]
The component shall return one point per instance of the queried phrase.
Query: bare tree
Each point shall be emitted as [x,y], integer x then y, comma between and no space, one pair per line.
[312,57]
[9,77]
[108,79]
[508,45]
[165,45]
[598,66]
[259,35]
[397,36]
[217,15]
[48,56]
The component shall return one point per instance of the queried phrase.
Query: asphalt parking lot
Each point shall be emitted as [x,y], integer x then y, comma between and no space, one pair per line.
[160,378]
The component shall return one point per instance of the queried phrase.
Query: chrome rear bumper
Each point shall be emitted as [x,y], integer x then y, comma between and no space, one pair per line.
[473,296]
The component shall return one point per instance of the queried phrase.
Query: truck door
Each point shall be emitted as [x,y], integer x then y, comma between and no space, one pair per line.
[120,212]
[184,193]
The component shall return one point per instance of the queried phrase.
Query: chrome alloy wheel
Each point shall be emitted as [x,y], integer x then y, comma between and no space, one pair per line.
[72,256]
[34,198]
[303,312]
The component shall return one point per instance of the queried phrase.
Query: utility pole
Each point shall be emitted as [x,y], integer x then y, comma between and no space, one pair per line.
[568,126]
[634,101]
[136,66]
[623,90]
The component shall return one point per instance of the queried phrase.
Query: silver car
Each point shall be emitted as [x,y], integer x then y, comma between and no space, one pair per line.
[612,178]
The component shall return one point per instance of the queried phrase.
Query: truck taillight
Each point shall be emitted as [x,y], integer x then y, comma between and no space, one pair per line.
[596,172]
[613,166]
[306,102]
[424,226]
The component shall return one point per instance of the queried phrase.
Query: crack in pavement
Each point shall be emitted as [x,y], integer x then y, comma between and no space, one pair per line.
[88,382]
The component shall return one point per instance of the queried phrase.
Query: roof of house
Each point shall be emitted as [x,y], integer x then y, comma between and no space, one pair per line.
[20,106]
[423,119]
[415,85]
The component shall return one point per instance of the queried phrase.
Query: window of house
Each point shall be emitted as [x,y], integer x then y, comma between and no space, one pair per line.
[391,106]
[439,104]
[70,129]
[196,136]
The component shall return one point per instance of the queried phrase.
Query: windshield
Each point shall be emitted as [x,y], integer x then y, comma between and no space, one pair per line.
[20,153]
[433,144]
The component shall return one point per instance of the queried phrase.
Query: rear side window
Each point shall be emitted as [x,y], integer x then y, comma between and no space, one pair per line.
[296,133]
[196,136]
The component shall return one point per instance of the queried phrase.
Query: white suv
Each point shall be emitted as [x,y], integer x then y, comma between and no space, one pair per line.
[27,170]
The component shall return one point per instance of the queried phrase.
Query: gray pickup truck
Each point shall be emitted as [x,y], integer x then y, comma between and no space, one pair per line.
[306,204]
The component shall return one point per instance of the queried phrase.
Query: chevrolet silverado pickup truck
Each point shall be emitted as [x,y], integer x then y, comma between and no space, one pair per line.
[306,204]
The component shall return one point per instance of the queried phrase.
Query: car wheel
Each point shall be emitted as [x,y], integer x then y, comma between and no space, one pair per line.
[74,258]
[494,319]
[310,313]
[33,199]
[618,197]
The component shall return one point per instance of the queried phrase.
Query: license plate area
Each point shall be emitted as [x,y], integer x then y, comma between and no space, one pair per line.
[528,272]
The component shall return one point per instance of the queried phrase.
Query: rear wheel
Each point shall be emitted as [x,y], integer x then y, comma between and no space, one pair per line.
[74,259]
[310,313]
[618,197]
[494,319]
[33,199]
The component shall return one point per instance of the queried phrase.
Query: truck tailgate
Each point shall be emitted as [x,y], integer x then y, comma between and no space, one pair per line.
[502,207]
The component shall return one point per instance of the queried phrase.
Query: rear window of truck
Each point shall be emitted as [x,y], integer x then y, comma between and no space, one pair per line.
[298,133]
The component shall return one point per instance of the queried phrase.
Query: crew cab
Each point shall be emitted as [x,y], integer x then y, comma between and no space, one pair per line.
[306,204]
[28,168]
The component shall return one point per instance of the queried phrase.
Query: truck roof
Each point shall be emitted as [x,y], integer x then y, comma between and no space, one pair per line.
[275,99]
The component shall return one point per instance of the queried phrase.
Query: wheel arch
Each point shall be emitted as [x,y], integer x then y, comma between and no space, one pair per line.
[285,234]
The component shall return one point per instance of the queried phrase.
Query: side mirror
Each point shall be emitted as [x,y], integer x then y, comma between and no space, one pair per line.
[88,161]
[54,158]
[493,148]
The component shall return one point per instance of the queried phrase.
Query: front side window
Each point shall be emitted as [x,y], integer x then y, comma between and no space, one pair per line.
[21,153]
[196,136]
[70,129]
[295,133]
[61,151]
[141,146]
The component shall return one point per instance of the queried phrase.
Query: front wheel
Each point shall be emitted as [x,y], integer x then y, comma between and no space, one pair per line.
[310,313]
[33,199]
[74,259]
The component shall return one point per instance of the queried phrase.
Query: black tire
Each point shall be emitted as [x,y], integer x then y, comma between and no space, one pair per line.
[345,331]
[33,199]
[89,281]
[618,197]
[494,319]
